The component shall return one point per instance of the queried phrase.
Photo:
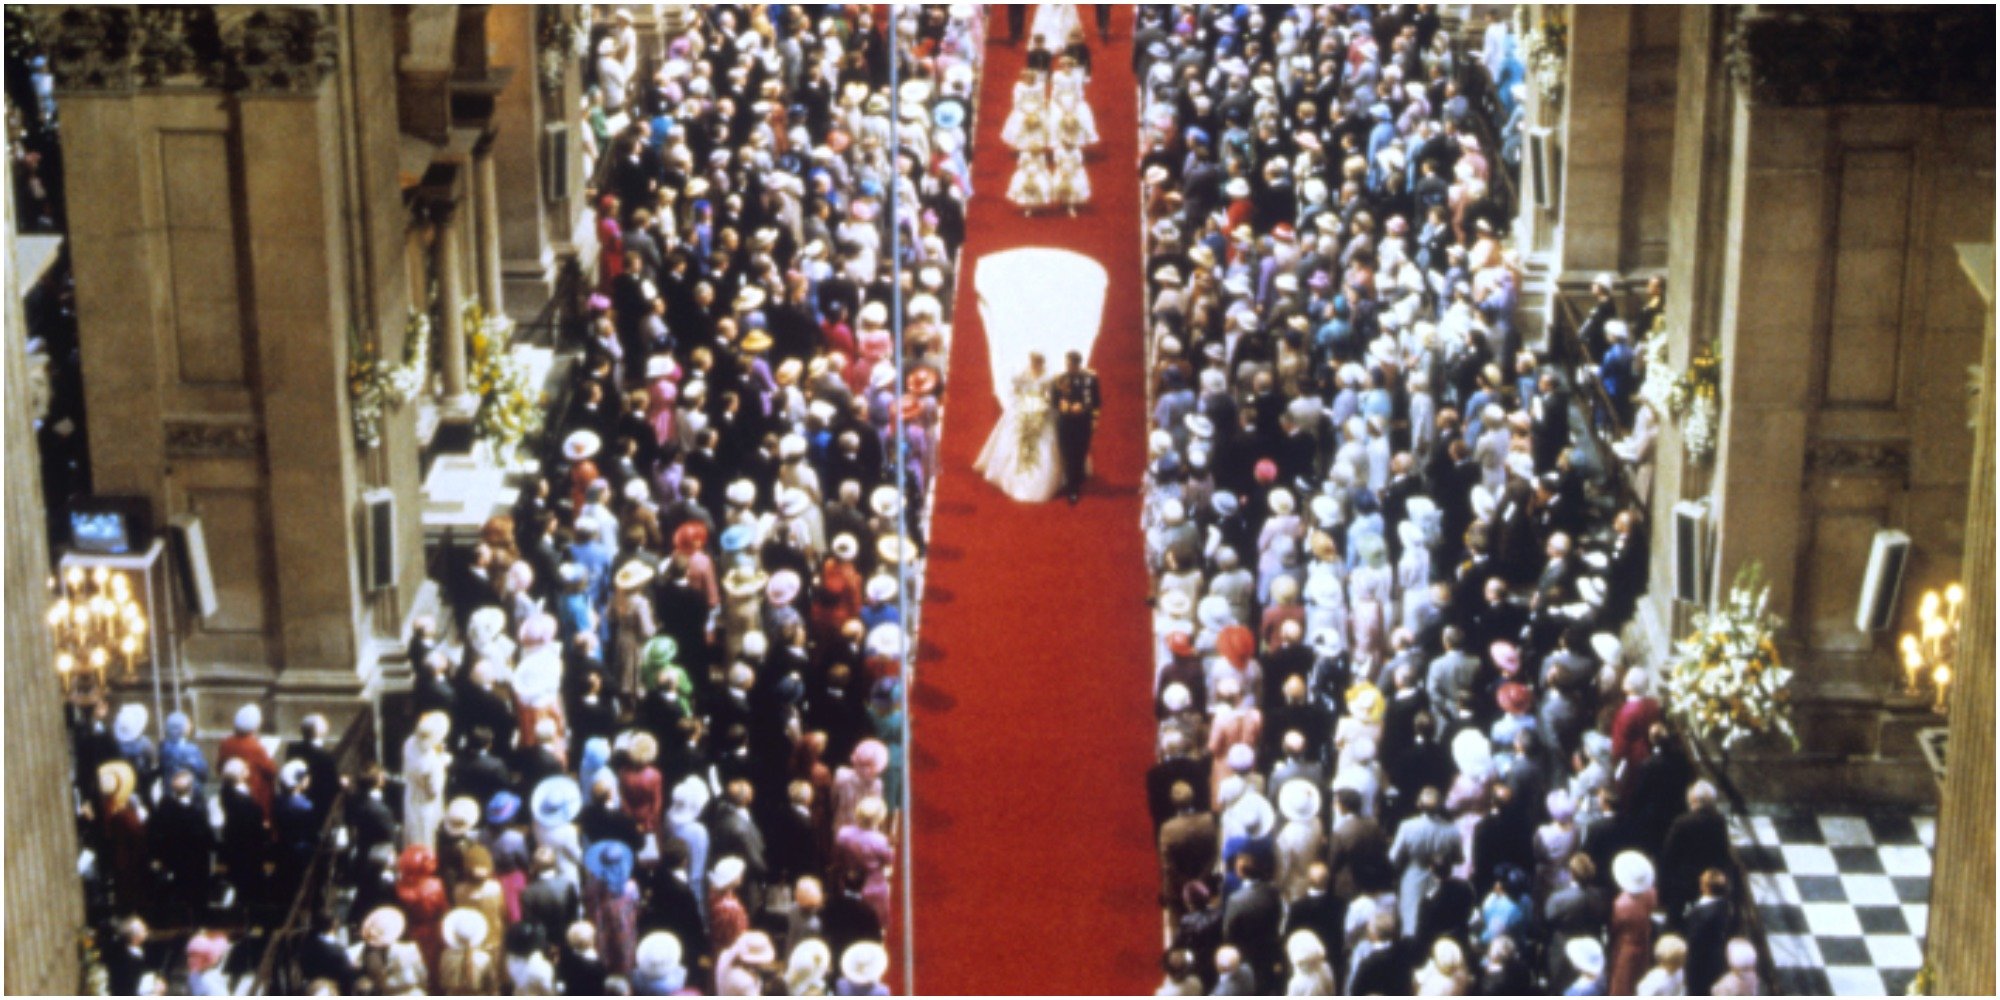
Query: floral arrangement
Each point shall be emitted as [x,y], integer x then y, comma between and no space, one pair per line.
[375,387]
[1547,47]
[1724,681]
[510,407]
[558,40]
[1693,397]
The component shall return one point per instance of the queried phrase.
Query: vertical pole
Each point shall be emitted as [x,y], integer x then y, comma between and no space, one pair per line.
[903,574]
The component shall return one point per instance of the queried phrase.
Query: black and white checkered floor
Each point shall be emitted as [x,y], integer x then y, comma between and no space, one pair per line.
[1845,898]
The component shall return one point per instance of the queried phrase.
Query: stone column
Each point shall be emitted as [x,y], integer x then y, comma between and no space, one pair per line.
[526,258]
[1960,946]
[1697,234]
[486,202]
[1592,192]
[294,225]
[451,322]
[44,902]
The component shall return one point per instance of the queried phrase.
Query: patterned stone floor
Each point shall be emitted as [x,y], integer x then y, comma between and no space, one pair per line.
[1845,898]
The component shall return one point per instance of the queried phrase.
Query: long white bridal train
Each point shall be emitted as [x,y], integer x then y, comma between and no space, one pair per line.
[1036,302]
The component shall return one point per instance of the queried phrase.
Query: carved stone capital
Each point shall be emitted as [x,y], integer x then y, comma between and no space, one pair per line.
[284,50]
[270,49]
[1786,58]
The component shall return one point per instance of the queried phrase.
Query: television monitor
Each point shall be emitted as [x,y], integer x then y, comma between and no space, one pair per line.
[111,525]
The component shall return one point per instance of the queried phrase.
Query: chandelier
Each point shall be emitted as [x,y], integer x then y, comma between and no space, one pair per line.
[1928,653]
[97,623]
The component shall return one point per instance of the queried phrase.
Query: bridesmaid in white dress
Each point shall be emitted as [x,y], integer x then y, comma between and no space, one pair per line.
[1074,122]
[1071,179]
[1027,126]
[1031,185]
[1020,454]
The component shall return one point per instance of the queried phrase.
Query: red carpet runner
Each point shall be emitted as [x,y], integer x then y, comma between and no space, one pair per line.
[1033,858]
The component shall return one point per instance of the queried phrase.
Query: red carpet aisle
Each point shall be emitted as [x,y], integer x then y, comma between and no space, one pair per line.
[1033,857]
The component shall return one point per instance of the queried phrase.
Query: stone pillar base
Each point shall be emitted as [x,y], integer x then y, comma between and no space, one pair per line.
[528,287]
[460,407]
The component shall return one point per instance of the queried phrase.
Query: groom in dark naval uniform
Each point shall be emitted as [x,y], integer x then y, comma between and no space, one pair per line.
[1076,400]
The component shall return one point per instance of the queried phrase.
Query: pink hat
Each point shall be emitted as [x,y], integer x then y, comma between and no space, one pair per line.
[783,588]
[870,758]
[1506,657]
[205,951]
[1266,471]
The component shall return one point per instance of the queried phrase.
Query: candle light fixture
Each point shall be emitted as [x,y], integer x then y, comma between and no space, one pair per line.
[97,624]
[1929,652]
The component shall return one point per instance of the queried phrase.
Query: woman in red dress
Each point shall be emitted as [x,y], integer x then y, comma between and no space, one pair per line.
[420,894]
[1631,950]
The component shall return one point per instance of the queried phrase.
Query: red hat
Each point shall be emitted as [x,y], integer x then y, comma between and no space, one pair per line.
[1180,644]
[1237,645]
[1514,698]
[923,381]
[690,537]
[1266,471]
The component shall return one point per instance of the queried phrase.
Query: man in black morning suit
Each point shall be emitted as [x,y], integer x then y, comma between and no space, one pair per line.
[1076,400]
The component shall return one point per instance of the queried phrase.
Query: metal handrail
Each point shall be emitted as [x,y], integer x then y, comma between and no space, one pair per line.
[355,745]
[1566,346]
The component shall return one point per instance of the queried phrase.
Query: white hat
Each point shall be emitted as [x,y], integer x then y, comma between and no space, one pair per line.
[1586,954]
[581,445]
[1200,426]
[690,798]
[1325,510]
[845,547]
[249,719]
[1176,698]
[1176,604]
[741,493]
[864,962]
[1252,814]
[792,446]
[1632,871]
[1242,758]
[465,928]
[885,501]
[881,588]
[726,873]
[1237,188]
[1304,947]
[1470,750]
[1281,502]
[658,954]
[292,773]
[131,722]
[1299,801]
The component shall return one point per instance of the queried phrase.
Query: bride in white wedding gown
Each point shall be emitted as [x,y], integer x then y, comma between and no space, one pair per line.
[1020,454]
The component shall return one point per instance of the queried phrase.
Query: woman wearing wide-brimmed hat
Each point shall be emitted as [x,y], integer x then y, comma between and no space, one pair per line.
[611,902]
[629,620]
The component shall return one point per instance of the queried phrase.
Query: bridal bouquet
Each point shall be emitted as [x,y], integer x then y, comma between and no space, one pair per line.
[1032,403]
[1724,681]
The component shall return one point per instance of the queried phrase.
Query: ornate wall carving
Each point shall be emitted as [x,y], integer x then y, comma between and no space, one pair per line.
[207,439]
[1829,55]
[1858,458]
[114,48]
